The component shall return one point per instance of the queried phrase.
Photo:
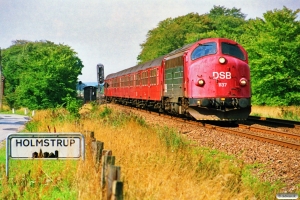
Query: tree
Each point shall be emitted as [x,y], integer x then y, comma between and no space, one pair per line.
[220,11]
[171,34]
[226,23]
[273,44]
[40,74]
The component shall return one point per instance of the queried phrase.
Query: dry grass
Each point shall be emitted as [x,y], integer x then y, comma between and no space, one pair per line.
[287,112]
[149,168]
[152,171]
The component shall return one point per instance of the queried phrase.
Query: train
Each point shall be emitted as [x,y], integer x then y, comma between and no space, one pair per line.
[205,80]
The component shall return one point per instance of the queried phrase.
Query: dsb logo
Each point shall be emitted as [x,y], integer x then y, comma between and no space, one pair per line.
[221,75]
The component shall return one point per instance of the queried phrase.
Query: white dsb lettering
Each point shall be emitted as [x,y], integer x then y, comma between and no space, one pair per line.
[221,75]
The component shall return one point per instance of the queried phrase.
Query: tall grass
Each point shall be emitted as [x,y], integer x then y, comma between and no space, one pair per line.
[30,179]
[286,112]
[156,163]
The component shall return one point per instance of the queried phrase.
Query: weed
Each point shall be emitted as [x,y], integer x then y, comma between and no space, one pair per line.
[171,139]
[105,112]
[141,121]
[32,126]
[94,105]
[290,115]
[255,114]
[262,190]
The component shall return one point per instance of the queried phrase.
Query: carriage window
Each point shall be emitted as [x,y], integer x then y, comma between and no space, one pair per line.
[145,78]
[131,79]
[137,80]
[232,50]
[204,49]
[153,77]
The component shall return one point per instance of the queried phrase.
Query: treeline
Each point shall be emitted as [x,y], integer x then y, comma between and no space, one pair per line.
[40,75]
[272,42]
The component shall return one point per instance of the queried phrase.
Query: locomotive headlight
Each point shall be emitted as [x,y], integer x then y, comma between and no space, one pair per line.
[243,82]
[222,60]
[201,82]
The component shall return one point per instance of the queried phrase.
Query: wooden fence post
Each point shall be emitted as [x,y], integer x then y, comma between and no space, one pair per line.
[110,174]
[92,136]
[113,174]
[117,191]
[100,146]
[97,148]
[106,160]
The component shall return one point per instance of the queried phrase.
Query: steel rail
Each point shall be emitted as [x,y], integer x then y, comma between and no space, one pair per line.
[263,130]
[239,133]
[294,124]
[261,138]
[248,135]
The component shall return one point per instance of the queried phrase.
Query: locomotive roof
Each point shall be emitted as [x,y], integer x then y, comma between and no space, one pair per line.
[182,49]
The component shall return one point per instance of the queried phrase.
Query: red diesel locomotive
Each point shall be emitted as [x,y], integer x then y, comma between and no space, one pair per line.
[208,80]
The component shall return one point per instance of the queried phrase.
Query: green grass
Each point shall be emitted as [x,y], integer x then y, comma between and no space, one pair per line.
[262,190]
[290,115]
[171,139]
[37,179]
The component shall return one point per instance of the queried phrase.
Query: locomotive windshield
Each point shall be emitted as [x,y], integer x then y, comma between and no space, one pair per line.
[204,49]
[232,50]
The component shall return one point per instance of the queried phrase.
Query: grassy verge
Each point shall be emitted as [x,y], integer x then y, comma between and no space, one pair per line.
[287,112]
[159,163]
[37,179]
[155,161]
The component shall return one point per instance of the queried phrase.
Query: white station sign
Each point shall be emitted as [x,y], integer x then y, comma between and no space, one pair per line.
[45,145]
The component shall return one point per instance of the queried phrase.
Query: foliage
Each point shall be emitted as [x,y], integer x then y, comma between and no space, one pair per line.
[174,33]
[40,74]
[273,45]
[220,11]
[73,105]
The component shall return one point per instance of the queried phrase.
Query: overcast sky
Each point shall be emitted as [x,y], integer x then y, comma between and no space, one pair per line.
[108,32]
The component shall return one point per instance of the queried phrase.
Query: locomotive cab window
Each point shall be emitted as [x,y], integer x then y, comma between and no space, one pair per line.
[232,50]
[204,49]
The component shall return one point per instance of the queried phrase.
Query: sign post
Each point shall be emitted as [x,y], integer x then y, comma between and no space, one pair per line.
[44,146]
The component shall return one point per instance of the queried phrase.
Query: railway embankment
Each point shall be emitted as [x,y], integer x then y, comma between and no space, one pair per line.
[273,163]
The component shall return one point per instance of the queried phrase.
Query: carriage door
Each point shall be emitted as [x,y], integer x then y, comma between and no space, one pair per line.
[174,78]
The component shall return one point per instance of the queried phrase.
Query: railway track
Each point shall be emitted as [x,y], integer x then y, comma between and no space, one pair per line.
[267,138]
[284,139]
[274,122]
